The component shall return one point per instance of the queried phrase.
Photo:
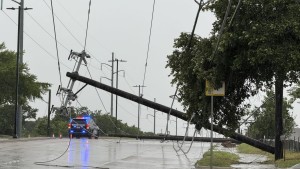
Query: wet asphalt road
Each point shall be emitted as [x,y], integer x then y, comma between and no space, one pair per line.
[109,153]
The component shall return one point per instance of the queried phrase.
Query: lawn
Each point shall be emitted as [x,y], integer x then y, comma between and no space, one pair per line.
[291,158]
[220,159]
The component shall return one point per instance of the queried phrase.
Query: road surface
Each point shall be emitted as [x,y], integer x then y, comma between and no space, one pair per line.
[103,153]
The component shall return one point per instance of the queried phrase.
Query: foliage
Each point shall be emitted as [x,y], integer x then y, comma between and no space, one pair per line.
[294,92]
[59,124]
[108,125]
[264,119]
[261,42]
[220,159]
[29,90]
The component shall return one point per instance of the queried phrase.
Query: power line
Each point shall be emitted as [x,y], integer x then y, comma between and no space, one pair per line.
[45,30]
[58,63]
[188,49]
[81,26]
[149,40]
[39,45]
[65,26]
[68,30]
[87,24]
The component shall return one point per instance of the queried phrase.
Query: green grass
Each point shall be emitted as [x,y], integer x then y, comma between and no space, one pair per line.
[5,136]
[220,159]
[291,158]
[247,149]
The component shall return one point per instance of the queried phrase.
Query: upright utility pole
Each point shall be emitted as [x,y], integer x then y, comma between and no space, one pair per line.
[117,82]
[112,85]
[154,115]
[18,107]
[21,61]
[139,106]
[49,112]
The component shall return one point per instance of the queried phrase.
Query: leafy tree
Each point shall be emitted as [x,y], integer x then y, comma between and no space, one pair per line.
[294,92]
[264,119]
[30,89]
[41,126]
[259,46]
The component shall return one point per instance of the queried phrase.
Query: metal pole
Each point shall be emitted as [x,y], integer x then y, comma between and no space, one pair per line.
[211,132]
[117,81]
[49,112]
[176,126]
[17,78]
[139,108]
[112,85]
[20,109]
[154,115]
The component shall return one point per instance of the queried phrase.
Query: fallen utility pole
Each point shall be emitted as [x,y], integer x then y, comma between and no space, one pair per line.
[170,137]
[176,113]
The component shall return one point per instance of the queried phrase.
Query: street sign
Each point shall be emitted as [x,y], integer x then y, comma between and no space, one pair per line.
[211,91]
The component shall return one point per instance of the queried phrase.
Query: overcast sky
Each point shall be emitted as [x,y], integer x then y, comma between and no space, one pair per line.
[119,26]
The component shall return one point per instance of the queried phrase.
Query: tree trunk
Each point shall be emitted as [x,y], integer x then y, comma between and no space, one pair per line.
[174,112]
[278,118]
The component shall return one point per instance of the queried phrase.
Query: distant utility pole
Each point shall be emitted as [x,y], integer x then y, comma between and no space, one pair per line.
[117,81]
[139,106]
[112,83]
[18,108]
[154,115]
[49,112]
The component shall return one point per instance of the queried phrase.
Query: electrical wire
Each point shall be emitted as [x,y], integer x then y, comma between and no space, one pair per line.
[68,30]
[45,29]
[57,55]
[148,48]
[222,28]
[65,26]
[188,49]
[87,25]
[39,45]
[81,26]
[104,105]
[237,7]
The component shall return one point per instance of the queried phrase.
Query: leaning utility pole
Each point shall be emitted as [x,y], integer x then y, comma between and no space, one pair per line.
[70,95]
[173,112]
[139,106]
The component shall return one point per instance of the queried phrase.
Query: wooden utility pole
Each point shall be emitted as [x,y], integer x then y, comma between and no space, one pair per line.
[176,113]
[278,118]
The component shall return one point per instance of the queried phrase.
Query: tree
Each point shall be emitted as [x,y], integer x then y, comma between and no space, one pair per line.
[29,87]
[294,92]
[259,47]
[264,119]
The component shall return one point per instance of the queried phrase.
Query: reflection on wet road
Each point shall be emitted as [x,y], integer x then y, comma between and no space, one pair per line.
[102,153]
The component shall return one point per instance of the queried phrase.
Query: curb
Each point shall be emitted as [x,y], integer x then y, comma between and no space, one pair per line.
[23,139]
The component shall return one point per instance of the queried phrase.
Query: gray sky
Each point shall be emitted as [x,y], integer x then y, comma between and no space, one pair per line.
[115,26]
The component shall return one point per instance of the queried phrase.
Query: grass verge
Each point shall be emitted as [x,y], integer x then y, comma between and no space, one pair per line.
[220,159]
[291,158]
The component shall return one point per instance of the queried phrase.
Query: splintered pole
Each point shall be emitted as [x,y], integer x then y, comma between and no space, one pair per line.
[176,113]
